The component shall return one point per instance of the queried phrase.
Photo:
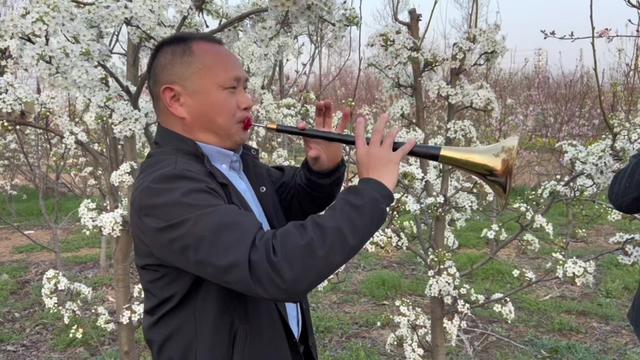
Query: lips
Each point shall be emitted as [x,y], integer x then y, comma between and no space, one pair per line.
[248,123]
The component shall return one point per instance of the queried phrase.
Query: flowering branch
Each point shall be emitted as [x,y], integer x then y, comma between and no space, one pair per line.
[98,157]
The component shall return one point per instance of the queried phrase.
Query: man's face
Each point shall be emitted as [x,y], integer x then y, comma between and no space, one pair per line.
[217,102]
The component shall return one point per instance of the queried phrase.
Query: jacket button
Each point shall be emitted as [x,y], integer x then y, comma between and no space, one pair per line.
[263,189]
[253,151]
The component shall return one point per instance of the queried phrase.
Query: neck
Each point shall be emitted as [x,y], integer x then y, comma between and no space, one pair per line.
[187,132]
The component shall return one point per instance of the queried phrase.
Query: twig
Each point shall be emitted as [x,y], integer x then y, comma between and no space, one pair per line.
[25,234]
[426,28]
[396,18]
[595,71]
[82,3]
[573,38]
[518,289]
[355,87]
[500,337]
[236,20]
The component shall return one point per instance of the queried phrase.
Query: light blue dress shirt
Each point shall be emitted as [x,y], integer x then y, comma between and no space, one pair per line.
[230,164]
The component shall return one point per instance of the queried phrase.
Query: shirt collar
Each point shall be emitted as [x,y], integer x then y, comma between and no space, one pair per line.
[222,157]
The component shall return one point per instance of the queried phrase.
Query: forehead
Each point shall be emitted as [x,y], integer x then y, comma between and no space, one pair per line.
[217,60]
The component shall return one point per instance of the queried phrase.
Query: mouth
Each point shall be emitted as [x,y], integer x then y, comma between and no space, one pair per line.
[248,123]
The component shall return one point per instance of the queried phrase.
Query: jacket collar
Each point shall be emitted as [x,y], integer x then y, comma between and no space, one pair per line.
[166,138]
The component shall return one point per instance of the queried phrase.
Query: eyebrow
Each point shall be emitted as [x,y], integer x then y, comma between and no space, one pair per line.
[240,79]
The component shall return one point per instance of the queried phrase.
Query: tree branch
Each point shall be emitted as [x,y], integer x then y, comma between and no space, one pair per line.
[237,19]
[25,234]
[395,5]
[115,77]
[426,28]
[595,71]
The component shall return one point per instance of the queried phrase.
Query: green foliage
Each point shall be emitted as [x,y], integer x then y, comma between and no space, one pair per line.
[619,281]
[561,349]
[72,243]
[326,323]
[81,259]
[495,276]
[9,276]
[547,309]
[356,350]
[8,336]
[27,207]
[563,324]
[387,285]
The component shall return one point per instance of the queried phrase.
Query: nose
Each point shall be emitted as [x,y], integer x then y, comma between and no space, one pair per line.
[246,101]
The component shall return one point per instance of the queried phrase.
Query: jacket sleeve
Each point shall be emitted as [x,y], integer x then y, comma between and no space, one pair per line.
[303,192]
[192,228]
[624,190]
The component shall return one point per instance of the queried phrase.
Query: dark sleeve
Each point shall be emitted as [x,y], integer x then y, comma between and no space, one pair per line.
[303,192]
[624,190]
[190,227]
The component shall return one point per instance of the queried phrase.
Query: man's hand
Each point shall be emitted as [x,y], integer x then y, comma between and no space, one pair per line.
[324,156]
[377,160]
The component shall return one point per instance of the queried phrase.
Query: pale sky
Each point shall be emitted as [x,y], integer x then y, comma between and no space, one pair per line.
[522,20]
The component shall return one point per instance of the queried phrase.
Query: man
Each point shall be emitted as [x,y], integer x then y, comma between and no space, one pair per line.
[624,195]
[226,247]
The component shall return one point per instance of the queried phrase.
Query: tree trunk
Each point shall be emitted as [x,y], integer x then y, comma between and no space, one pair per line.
[104,245]
[494,221]
[124,242]
[438,311]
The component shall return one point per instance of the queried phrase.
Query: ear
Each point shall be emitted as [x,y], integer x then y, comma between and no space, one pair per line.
[174,100]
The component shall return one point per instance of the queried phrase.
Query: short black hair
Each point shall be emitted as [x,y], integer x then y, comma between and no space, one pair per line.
[170,52]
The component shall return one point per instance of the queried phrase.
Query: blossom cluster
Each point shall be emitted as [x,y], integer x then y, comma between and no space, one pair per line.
[109,223]
[414,328]
[578,271]
[75,300]
[123,177]
[630,247]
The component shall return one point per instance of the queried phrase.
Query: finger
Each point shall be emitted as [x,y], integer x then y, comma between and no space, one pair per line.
[328,115]
[404,150]
[302,125]
[387,143]
[378,130]
[346,119]
[361,143]
[319,114]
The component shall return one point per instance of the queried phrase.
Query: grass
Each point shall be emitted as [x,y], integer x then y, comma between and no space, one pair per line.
[26,207]
[72,243]
[564,324]
[81,259]
[562,349]
[353,316]
[385,285]
[618,281]
[355,350]
[327,323]
[9,276]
